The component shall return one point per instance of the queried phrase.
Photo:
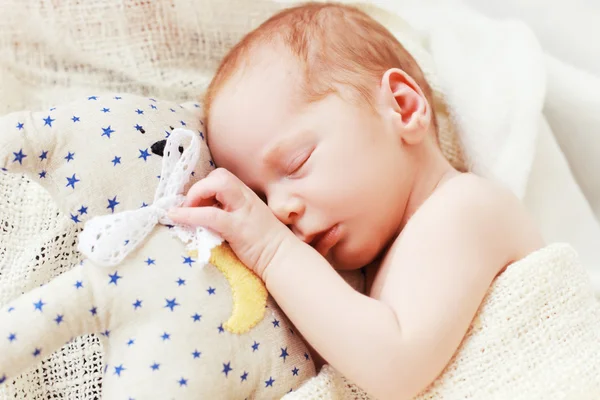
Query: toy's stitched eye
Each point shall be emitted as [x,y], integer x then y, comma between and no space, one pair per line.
[158,148]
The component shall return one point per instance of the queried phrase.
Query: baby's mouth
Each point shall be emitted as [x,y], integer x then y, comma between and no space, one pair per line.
[324,241]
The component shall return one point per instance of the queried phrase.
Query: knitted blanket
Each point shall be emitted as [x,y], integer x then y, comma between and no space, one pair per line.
[536,336]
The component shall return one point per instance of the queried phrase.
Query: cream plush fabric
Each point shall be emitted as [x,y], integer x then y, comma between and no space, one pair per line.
[168,325]
[97,151]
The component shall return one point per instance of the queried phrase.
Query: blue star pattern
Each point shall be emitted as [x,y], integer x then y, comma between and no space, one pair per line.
[188,260]
[171,304]
[119,369]
[227,368]
[114,278]
[107,131]
[284,354]
[144,154]
[39,305]
[172,301]
[75,218]
[112,203]
[48,121]
[19,156]
[72,181]
[20,126]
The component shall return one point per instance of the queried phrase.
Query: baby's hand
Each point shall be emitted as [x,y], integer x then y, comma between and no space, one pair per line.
[222,203]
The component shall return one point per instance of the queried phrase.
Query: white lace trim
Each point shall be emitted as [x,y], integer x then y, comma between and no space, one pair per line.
[107,240]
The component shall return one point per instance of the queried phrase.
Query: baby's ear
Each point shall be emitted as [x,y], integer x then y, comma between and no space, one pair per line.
[402,97]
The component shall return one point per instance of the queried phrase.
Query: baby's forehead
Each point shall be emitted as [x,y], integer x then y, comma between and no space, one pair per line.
[268,85]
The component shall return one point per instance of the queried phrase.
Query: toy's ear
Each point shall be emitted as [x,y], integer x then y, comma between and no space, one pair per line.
[95,156]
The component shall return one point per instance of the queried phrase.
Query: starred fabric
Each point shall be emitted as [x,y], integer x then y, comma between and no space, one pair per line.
[160,316]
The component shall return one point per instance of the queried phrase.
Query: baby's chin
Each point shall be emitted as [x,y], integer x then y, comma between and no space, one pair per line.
[345,257]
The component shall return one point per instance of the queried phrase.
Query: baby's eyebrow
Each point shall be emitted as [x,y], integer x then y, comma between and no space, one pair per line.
[272,156]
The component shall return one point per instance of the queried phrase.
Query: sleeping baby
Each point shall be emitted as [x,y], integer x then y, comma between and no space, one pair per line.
[323,126]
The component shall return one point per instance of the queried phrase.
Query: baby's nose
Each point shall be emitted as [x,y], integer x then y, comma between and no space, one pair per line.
[288,210]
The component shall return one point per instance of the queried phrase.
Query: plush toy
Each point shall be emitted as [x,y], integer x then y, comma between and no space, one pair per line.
[171,327]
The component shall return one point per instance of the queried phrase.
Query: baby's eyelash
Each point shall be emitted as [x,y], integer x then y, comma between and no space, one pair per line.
[298,163]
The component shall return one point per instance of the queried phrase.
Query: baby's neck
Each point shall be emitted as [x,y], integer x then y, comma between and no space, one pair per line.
[433,172]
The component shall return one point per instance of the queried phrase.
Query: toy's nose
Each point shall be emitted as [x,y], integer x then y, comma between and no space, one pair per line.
[158,148]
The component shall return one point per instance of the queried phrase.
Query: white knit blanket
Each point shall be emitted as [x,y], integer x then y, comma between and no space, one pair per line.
[536,336]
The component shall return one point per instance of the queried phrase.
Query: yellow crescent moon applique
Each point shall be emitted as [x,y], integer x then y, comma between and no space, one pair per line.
[248,290]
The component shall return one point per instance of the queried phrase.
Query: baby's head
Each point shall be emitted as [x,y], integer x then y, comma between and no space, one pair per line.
[324,114]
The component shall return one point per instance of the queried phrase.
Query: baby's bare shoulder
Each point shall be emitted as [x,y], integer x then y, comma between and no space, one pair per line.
[478,207]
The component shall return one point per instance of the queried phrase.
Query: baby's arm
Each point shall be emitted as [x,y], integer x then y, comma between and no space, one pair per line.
[438,271]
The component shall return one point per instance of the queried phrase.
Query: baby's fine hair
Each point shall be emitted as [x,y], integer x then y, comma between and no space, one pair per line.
[337,45]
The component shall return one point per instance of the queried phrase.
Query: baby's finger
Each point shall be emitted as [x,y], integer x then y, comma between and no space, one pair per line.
[219,186]
[212,218]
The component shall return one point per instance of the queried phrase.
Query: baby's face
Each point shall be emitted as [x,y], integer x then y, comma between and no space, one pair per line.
[331,170]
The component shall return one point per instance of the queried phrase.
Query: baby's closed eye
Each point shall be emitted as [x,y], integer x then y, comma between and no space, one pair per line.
[297,162]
